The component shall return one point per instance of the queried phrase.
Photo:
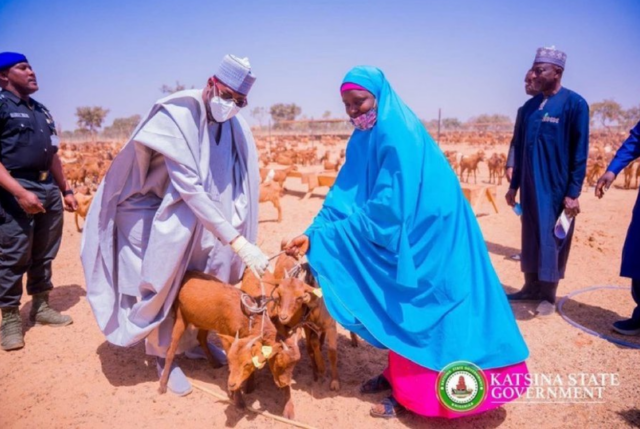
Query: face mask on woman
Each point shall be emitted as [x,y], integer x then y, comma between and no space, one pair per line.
[366,121]
[222,110]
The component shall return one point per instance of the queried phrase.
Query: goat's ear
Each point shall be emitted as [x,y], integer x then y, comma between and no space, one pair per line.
[315,291]
[284,243]
[226,341]
[312,295]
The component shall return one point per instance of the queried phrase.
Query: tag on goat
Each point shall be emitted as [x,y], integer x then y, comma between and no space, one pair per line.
[266,351]
[256,362]
[318,292]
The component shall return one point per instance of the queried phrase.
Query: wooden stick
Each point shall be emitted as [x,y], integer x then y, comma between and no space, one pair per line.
[248,408]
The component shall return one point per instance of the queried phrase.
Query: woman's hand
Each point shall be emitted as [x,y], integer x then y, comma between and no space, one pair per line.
[298,246]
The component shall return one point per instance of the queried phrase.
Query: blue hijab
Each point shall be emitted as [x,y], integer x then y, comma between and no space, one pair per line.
[398,251]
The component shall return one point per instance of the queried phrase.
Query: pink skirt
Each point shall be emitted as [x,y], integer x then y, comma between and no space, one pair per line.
[414,387]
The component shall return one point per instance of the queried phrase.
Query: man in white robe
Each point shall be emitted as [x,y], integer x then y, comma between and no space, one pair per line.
[181,195]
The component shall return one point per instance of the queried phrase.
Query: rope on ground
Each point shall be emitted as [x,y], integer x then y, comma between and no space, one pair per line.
[248,408]
[584,328]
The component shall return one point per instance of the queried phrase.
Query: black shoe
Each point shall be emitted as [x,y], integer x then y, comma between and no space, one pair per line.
[627,327]
[528,293]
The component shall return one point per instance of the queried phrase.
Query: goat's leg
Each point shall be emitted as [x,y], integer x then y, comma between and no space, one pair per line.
[178,329]
[317,355]
[332,346]
[308,334]
[288,412]
[202,339]
[77,223]
[276,203]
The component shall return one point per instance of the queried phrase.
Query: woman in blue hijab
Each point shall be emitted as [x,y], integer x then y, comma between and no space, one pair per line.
[402,262]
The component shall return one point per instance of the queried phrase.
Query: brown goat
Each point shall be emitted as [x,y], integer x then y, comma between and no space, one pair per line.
[283,363]
[452,157]
[83,197]
[628,174]
[496,167]
[271,191]
[285,264]
[211,305]
[470,163]
[316,321]
[595,168]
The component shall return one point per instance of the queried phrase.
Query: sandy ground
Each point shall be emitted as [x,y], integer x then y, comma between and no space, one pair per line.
[72,378]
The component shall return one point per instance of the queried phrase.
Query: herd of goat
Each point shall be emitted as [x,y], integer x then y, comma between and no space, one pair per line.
[259,322]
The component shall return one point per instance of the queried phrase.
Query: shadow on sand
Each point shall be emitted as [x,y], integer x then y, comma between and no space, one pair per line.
[61,298]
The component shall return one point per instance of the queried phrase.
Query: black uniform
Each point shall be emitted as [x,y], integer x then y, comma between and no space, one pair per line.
[28,243]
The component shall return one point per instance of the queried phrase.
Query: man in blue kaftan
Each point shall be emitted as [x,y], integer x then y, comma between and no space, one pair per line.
[628,152]
[551,150]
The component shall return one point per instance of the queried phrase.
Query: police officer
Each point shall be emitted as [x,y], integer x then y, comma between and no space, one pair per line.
[31,209]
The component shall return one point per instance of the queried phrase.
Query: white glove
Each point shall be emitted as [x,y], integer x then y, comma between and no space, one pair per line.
[251,255]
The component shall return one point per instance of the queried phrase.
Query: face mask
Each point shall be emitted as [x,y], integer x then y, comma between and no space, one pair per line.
[366,121]
[223,110]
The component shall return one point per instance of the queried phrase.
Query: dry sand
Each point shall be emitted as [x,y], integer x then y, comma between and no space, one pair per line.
[72,378]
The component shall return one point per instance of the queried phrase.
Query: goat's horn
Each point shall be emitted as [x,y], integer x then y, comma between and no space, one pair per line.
[253,341]
[237,335]
[284,345]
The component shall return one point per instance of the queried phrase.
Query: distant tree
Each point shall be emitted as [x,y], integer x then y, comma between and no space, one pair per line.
[284,112]
[631,117]
[121,127]
[431,126]
[451,124]
[259,114]
[166,89]
[486,122]
[91,118]
[81,134]
[606,113]
[326,114]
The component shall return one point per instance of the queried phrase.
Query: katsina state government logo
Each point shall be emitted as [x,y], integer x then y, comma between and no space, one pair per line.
[461,386]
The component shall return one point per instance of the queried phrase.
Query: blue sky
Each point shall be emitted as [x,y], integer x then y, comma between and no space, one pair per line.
[466,57]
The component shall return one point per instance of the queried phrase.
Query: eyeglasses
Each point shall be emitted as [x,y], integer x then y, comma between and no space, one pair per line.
[226,95]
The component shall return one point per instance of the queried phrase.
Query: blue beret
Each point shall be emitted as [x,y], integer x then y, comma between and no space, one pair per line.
[10,59]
